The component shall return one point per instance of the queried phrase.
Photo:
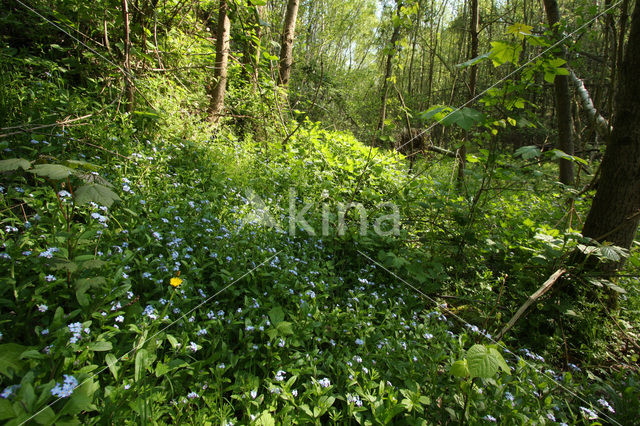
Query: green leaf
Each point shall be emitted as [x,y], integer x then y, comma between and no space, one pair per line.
[6,410]
[460,369]
[10,362]
[142,362]
[528,152]
[45,417]
[74,164]
[112,363]
[52,171]
[14,164]
[474,61]
[465,118]
[484,362]
[276,314]
[97,193]
[265,419]
[502,53]
[100,346]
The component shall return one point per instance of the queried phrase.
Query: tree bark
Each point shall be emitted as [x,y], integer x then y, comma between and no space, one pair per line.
[222,59]
[563,101]
[127,57]
[388,69]
[286,45]
[473,77]
[615,212]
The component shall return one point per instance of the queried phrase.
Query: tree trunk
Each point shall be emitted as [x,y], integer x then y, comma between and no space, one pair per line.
[473,76]
[222,59]
[286,45]
[563,102]
[615,212]
[388,69]
[127,57]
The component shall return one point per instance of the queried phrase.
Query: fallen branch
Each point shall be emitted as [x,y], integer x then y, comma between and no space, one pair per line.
[601,124]
[535,296]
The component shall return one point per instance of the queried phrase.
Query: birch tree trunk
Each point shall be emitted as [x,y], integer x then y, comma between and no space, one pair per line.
[127,57]
[222,60]
[286,45]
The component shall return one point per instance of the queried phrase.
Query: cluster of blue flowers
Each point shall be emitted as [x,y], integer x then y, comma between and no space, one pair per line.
[65,389]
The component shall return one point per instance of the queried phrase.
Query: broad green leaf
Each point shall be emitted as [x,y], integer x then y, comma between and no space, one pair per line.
[46,416]
[265,419]
[52,171]
[14,164]
[97,193]
[460,369]
[484,362]
[502,53]
[528,152]
[520,30]
[10,359]
[436,112]
[465,118]
[6,410]
[276,314]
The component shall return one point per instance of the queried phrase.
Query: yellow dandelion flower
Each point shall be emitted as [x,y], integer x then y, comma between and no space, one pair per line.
[175,281]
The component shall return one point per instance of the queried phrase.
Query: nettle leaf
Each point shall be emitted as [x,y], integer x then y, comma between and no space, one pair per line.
[97,193]
[277,315]
[528,152]
[484,362]
[52,171]
[14,164]
[465,118]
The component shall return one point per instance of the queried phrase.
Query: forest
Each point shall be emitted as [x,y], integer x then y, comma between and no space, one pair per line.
[357,212]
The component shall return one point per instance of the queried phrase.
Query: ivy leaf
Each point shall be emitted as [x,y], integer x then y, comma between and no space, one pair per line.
[465,118]
[97,193]
[14,164]
[52,171]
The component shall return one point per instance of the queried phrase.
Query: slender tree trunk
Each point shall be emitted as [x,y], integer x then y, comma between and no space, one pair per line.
[252,48]
[563,102]
[286,45]
[127,57]
[222,59]
[473,76]
[615,212]
[388,69]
